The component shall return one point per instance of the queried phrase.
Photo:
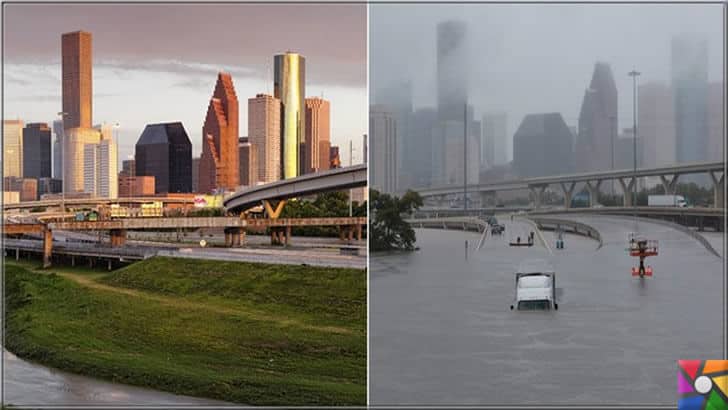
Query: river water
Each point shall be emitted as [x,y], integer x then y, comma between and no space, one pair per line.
[441,331]
[30,384]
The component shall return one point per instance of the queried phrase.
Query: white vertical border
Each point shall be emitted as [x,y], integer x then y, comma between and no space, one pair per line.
[369,233]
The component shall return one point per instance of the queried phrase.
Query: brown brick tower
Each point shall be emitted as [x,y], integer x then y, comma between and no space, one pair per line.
[77,76]
[219,162]
[317,135]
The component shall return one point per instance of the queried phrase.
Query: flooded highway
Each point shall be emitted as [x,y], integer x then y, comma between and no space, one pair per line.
[30,384]
[441,331]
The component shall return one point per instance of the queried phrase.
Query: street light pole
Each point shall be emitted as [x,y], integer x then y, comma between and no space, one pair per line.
[351,191]
[465,157]
[613,121]
[634,74]
[63,114]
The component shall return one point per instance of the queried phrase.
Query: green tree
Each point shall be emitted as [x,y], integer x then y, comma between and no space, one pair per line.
[387,229]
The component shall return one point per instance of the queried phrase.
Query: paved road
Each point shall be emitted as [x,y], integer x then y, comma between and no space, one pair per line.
[441,331]
[319,257]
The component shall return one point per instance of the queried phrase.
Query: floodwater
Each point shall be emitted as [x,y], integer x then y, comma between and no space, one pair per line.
[441,331]
[30,384]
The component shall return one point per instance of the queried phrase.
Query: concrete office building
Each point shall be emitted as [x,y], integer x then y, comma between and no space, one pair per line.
[219,167]
[264,134]
[542,146]
[100,169]
[74,143]
[289,86]
[495,142]
[13,148]
[136,186]
[196,174]
[598,122]
[419,156]
[37,150]
[164,151]
[318,134]
[27,188]
[716,122]
[383,143]
[656,122]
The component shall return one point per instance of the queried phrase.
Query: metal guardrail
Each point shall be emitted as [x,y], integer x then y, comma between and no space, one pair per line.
[459,223]
[573,227]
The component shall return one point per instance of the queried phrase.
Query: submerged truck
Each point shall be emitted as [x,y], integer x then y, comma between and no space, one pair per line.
[667,200]
[535,286]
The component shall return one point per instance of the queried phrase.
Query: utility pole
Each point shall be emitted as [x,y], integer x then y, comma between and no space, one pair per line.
[634,73]
[465,157]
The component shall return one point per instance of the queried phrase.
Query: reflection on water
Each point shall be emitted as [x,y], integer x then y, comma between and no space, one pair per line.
[30,384]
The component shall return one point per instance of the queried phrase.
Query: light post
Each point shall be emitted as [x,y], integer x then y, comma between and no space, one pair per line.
[465,158]
[613,124]
[351,191]
[634,74]
[116,137]
[63,114]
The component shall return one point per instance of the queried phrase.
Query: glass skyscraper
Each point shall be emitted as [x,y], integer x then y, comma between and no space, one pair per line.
[289,86]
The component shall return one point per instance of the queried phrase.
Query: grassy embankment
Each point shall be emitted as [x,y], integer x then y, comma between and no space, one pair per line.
[249,333]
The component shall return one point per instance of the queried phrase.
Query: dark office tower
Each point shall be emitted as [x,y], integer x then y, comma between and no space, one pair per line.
[452,70]
[37,151]
[542,146]
[164,151]
[196,174]
[598,121]
[76,64]
[419,156]
[690,91]
[128,168]
[246,176]
[219,168]
[289,86]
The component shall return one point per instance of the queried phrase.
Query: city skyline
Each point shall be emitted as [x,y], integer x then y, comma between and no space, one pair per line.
[153,59]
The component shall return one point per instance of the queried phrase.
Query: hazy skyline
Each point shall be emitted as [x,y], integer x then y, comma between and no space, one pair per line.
[538,58]
[158,63]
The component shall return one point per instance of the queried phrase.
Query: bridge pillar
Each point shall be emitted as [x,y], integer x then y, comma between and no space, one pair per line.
[288,235]
[626,190]
[718,189]
[358,232]
[568,192]
[669,183]
[593,191]
[47,247]
[274,213]
[17,254]
[117,237]
[537,192]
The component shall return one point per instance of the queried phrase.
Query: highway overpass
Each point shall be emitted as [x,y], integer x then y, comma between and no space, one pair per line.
[626,177]
[94,202]
[308,184]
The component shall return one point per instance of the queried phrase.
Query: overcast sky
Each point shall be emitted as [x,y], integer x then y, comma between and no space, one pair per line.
[538,58]
[157,63]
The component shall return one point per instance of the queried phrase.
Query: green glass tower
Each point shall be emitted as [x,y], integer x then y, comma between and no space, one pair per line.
[289,85]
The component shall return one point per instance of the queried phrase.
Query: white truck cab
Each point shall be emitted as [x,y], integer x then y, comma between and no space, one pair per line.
[535,287]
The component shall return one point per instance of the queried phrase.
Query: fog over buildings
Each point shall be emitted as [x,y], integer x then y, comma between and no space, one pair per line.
[508,61]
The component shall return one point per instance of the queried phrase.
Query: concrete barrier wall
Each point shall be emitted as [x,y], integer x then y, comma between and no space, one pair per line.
[573,227]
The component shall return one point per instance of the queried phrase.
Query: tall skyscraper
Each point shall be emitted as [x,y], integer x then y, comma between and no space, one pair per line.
[100,169]
[494,146]
[542,146]
[598,121]
[219,167]
[397,98]
[164,151]
[74,168]
[383,141]
[318,132]
[452,70]
[656,122]
[37,150]
[76,60]
[264,134]
[57,149]
[289,86]
[196,174]
[12,148]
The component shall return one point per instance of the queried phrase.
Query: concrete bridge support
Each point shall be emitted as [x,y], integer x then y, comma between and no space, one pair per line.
[593,188]
[669,183]
[280,235]
[348,232]
[718,189]
[537,193]
[274,213]
[627,189]
[47,247]
[118,237]
[234,237]
[568,190]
